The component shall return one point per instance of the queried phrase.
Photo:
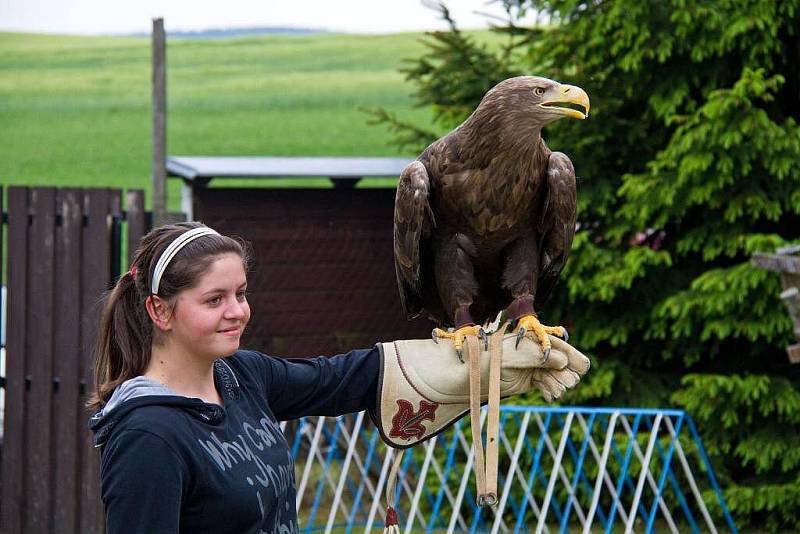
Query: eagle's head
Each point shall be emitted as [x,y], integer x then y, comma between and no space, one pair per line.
[536,101]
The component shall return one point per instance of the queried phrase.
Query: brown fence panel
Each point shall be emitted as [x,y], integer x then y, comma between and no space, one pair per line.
[95,280]
[136,221]
[39,348]
[64,251]
[114,222]
[69,417]
[14,423]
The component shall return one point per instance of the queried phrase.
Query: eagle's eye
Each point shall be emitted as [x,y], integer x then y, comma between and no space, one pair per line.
[538,91]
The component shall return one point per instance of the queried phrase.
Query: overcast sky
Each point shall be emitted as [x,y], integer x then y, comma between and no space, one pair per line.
[131,16]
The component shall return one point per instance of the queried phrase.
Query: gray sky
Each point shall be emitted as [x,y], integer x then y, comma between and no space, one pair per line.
[129,16]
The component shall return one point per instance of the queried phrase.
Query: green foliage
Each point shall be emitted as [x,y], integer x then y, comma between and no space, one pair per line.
[454,92]
[776,504]
[689,164]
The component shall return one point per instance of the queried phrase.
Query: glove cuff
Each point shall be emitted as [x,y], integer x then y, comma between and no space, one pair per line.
[404,414]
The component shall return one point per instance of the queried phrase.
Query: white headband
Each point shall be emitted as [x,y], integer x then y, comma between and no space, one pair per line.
[173,248]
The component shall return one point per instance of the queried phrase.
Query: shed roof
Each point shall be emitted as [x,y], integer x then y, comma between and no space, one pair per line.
[204,168]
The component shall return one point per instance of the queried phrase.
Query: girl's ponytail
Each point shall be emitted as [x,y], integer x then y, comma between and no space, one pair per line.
[123,343]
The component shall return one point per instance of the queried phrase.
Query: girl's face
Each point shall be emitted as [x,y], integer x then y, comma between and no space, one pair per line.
[209,318]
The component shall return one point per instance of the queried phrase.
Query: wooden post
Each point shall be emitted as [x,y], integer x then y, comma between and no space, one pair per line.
[159,123]
[14,451]
[787,263]
[791,297]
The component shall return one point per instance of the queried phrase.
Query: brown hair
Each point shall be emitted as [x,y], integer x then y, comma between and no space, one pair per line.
[126,331]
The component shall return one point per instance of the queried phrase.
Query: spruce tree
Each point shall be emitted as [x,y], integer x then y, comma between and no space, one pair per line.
[689,163]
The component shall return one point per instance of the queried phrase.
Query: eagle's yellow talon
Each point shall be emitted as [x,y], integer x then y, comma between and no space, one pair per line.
[530,325]
[458,336]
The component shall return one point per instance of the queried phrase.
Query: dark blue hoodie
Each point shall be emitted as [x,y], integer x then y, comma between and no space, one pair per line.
[176,464]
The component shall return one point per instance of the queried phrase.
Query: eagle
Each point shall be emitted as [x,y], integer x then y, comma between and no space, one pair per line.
[484,218]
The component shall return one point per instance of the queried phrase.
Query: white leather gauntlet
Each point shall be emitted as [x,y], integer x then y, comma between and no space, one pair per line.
[424,388]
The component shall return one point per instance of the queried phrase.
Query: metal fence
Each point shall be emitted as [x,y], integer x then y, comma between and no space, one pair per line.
[561,469]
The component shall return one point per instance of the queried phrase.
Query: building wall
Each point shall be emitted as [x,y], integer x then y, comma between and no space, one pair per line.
[322,279]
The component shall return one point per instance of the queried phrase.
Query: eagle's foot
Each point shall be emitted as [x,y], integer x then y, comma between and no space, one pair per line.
[459,335]
[530,324]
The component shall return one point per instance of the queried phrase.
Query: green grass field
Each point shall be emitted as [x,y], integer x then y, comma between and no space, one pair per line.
[75,111]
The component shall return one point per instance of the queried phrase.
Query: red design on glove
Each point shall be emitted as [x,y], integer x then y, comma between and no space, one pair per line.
[406,424]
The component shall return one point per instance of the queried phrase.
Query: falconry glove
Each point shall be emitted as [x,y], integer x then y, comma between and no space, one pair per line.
[423,388]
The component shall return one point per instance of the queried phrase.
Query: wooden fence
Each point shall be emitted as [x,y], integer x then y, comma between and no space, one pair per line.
[64,252]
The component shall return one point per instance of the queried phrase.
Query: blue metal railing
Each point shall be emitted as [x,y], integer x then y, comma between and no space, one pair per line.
[603,475]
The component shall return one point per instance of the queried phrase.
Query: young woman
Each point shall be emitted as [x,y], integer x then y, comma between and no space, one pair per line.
[187,423]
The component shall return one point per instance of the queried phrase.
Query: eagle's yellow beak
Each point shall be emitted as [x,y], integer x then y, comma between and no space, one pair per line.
[569,100]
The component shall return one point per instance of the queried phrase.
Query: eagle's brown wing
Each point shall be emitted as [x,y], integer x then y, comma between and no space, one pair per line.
[413,220]
[556,225]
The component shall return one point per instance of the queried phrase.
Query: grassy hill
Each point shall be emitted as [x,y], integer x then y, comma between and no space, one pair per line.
[76,110]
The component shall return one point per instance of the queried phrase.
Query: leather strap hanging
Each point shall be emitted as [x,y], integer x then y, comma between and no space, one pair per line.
[493,417]
[486,465]
[474,362]
[392,524]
